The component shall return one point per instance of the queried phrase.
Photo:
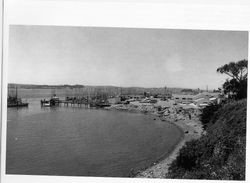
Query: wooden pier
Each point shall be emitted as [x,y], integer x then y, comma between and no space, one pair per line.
[74,102]
[82,102]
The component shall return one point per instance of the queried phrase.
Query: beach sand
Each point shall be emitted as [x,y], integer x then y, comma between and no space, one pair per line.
[192,130]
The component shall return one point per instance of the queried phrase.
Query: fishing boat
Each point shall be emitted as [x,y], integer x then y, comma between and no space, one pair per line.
[54,101]
[102,103]
[14,101]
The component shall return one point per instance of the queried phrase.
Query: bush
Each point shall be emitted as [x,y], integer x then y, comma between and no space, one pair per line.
[207,113]
[221,153]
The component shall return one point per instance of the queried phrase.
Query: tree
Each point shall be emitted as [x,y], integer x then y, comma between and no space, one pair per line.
[236,87]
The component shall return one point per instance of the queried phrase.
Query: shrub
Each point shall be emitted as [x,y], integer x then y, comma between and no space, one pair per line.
[207,113]
[221,153]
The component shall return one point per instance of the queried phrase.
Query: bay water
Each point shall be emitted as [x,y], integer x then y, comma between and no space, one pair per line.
[77,141]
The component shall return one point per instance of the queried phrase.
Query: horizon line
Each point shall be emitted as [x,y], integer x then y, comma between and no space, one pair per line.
[111,86]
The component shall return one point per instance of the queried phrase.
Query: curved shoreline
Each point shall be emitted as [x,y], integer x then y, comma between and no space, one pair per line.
[160,168]
[140,171]
[191,129]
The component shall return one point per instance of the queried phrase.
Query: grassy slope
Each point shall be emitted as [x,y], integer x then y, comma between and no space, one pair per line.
[221,153]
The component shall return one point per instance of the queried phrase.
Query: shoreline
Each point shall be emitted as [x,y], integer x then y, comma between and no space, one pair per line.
[140,172]
[160,168]
[191,129]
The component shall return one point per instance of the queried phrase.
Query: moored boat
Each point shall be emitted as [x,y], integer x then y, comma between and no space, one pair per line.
[54,101]
[14,101]
[103,105]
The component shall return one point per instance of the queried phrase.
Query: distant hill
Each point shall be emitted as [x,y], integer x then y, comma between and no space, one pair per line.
[111,89]
[221,154]
[32,86]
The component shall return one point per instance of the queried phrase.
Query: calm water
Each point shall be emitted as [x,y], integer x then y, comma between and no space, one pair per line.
[86,142]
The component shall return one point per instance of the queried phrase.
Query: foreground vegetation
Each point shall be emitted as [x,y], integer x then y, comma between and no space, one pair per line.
[220,154]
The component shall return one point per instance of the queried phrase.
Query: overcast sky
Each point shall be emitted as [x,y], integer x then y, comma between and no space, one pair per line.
[122,56]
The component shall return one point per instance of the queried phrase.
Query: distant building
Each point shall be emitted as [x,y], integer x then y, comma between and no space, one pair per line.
[136,97]
[200,100]
[130,97]
[205,98]
[184,99]
[163,96]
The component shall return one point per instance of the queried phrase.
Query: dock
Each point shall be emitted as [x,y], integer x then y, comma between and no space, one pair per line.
[73,102]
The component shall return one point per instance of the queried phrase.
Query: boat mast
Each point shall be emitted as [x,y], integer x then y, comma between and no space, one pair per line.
[16,92]
[16,97]
[53,92]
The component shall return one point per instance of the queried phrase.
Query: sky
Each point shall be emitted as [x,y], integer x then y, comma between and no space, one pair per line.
[122,56]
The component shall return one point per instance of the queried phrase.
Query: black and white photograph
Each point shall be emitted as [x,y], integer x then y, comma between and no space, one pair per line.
[126,102]
[111,102]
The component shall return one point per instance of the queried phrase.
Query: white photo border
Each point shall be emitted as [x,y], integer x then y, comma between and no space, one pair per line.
[226,15]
